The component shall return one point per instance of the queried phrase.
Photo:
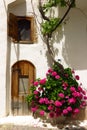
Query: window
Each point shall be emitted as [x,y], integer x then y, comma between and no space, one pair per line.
[22,29]
[23,84]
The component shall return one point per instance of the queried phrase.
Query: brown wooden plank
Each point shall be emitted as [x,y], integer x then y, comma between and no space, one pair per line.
[27,70]
[13,27]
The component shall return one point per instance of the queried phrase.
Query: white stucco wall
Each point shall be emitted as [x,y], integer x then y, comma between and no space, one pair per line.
[35,53]
[3,50]
[70,47]
[75,46]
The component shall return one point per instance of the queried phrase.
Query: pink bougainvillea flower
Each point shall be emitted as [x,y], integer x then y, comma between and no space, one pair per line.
[57,77]
[65,111]
[84,92]
[51,114]
[85,97]
[40,89]
[76,111]
[77,77]
[43,81]
[65,85]
[73,71]
[72,100]
[76,94]
[58,103]
[79,89]
[36,83]
[81,96]
[69,108]
[47,73]
[63,101]
[57,110]
[36,92]
[72,88]
[42,113]
[34,109]
[67,97]
[54,73]
[61,95]
[46,101]
[83,103]
[51,102]
[50,70]
[50,107]
[41,100]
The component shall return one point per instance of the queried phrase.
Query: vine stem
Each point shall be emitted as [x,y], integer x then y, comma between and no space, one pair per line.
[48,36]
[42,12]
[70,6]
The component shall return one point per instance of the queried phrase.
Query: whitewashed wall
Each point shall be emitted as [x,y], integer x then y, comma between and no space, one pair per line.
[70,47]
[3,50]
[75,46]
[36,53]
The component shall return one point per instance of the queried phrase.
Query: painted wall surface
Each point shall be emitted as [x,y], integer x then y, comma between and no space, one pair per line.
[70,44]
[3,50]
[75,42]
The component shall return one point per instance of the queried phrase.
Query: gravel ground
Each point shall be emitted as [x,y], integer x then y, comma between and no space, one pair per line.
[30,123]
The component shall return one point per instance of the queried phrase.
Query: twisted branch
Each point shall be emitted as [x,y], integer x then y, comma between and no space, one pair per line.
[42,12]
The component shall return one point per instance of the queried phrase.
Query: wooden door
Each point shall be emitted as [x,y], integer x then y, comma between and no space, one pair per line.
[23,73]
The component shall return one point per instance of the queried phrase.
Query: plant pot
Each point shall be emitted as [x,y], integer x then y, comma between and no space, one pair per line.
[57,120]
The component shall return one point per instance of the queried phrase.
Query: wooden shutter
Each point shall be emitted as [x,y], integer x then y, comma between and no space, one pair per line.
[33,30]
[13,27]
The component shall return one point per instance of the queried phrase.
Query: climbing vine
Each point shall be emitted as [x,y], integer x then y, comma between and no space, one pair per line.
[50,24]
[59,93]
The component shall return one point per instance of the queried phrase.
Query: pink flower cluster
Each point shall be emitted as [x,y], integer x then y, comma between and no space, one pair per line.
[53,73]
[43,101]
[41,82]
[66,98]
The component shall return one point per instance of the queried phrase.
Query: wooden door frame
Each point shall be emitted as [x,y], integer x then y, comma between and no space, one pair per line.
[21,65]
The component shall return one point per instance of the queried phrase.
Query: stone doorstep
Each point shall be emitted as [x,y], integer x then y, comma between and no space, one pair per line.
[13,127]
[7,126]
[17,127]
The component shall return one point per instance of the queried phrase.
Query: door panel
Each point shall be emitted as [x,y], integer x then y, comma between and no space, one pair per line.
[23,72]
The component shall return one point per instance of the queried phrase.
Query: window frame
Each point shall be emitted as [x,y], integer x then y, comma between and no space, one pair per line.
[31,19]
[13,29]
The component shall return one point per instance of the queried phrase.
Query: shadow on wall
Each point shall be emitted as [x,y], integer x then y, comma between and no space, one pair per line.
[18,8]
[54,43]
[75,48]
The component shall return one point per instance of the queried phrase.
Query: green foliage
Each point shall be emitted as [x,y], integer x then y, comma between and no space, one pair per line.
[29,98]
[53,3]
[48,26]
[57,93]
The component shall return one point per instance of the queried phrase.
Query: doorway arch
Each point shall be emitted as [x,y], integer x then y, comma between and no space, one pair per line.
[23,73]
